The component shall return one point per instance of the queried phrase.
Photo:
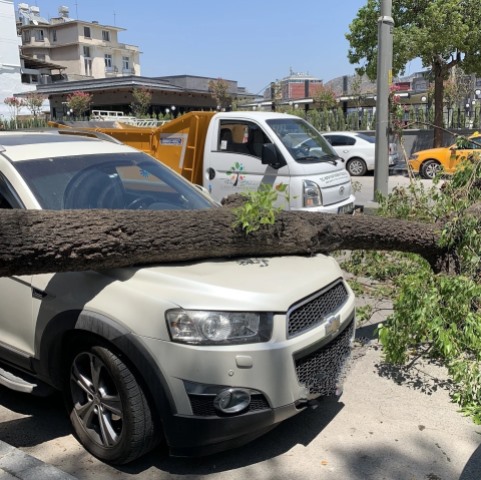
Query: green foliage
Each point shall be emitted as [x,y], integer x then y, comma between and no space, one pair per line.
[23,123]
[259,209]
[363,313]
[34,101]
[324,96]
[382,266]
[220,91]
[142,99]
[416,34]
[14,104]
[438,315]
[79,102]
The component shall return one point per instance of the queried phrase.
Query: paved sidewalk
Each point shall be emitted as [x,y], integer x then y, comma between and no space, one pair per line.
[14,464]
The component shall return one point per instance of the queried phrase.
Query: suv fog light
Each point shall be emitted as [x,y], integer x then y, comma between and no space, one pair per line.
[232,400]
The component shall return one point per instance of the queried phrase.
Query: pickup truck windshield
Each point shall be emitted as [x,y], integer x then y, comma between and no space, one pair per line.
[305,144]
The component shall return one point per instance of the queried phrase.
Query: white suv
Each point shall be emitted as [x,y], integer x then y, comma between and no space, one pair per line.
[202,356]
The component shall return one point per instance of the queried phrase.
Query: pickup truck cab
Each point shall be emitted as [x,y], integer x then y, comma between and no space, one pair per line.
[245,149]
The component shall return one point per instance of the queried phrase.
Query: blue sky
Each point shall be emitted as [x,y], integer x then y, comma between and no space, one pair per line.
[253,41]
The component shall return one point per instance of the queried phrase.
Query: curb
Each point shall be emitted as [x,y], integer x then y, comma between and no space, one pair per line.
[15,464]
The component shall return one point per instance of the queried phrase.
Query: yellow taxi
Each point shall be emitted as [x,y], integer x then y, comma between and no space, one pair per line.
[429,162]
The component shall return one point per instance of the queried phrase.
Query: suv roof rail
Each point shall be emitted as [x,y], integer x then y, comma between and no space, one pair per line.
[92,134]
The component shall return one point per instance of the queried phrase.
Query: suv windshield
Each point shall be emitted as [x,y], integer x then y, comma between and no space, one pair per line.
[304,143]
[113,181]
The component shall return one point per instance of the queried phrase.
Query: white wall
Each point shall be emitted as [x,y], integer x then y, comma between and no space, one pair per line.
[10,76]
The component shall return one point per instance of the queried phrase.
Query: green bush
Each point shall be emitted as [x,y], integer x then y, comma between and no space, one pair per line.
[435,315]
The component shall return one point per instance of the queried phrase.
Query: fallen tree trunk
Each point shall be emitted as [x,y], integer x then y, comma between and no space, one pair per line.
[56,241]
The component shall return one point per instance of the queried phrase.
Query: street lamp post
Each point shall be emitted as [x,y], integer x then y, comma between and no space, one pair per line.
[384,77]
[424,99]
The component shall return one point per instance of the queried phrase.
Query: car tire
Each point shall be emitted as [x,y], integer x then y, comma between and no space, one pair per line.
[429,169]
[108,409]
[356,167]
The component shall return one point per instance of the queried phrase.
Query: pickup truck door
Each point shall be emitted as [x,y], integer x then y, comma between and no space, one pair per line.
[232,161]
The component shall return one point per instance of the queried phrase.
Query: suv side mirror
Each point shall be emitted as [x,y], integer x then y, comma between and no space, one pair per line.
[270,156]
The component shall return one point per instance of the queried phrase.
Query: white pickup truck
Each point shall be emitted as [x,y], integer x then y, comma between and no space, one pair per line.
[234,152]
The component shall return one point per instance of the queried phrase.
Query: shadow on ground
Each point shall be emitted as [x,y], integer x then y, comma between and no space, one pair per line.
[46,419]
[301,429]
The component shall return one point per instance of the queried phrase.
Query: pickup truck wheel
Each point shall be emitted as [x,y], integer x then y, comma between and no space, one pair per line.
[108,409]
[356,167]
[429,169]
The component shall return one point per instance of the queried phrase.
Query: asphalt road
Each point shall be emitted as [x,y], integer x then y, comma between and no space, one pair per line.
[364,187]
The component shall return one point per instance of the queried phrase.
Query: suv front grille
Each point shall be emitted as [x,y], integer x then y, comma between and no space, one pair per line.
[314,311]
[322,370]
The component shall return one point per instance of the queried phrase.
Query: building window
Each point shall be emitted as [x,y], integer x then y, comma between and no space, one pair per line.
[87,32]
[87,52]
[39,35]
[105,35]
[88,66]
[54,35]
[108,61]
[26,36]
[125,64]
[40,56]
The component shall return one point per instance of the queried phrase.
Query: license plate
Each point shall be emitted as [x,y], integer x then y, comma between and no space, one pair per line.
[346,208]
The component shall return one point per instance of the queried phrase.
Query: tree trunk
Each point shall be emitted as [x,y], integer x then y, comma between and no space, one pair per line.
[51,241]
[439,74]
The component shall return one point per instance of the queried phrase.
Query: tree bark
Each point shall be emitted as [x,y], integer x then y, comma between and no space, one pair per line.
[439,76]
[56,241]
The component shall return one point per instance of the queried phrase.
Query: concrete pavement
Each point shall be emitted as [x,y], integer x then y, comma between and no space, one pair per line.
[15,464]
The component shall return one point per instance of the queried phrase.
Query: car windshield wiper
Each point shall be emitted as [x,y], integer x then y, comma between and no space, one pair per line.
[325,158]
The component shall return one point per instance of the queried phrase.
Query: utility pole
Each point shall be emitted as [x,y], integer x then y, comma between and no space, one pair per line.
[384,80]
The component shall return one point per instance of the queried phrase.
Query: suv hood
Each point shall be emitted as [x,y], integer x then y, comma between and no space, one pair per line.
[265,284]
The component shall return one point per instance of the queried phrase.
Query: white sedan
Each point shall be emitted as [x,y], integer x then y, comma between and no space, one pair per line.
[357,150]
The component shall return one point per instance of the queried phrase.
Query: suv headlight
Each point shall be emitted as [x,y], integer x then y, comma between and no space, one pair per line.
[199,327]
[311,193]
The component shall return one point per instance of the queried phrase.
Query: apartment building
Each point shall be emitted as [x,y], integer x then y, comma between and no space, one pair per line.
[86,50]
[11,64]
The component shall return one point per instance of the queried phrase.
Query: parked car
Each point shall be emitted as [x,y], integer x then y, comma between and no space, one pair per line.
[202,356]
[434,160]
[358,151]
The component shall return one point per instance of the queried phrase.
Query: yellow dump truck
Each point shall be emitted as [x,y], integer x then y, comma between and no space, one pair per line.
[234,152]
